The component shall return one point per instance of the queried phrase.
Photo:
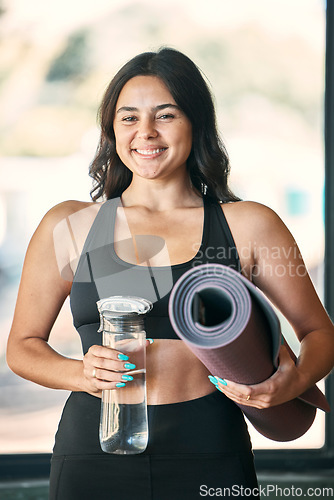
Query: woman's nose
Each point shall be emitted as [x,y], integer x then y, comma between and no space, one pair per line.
[147,129]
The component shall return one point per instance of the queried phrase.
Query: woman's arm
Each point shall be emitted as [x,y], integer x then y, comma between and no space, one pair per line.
[277,268]
[42,293]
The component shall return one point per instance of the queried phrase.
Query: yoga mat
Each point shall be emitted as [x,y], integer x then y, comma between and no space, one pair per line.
[231,327]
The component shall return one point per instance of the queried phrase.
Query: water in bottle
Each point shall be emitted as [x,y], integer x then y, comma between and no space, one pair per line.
[123,420]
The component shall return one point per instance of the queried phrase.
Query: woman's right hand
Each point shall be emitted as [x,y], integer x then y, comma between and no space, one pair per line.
[105,368]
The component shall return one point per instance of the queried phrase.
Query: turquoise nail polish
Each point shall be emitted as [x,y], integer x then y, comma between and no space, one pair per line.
[129,366]
[221,381]
[150,341]
[213,380]
[120,384]
[123,357]
[127,378]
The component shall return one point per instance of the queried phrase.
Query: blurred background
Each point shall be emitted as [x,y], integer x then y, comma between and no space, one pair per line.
[265,63]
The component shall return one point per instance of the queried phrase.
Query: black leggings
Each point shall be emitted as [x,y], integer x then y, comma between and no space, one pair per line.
[193,446]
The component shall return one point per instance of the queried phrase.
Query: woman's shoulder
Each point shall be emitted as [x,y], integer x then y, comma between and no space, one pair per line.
[64,228]
[249,216]
[67,214]
[248,208]
[255,229]
[69,210]
[70,207]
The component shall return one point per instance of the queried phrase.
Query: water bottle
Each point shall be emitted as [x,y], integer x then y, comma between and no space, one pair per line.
[123,419]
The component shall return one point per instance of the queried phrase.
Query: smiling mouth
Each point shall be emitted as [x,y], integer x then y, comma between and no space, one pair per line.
[149,152]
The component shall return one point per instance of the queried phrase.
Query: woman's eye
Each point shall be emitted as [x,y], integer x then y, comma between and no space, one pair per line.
[166,117]
[129,119]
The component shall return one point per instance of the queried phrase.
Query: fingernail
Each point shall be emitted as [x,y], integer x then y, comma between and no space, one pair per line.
[129,366]
[120,384]
[123,357]
[213,380]
[127,377]
[150,341]
[221,381]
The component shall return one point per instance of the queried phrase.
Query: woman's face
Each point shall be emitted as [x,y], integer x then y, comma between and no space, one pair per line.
[153,135]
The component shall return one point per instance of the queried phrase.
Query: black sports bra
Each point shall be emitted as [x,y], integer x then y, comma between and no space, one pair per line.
[101,273]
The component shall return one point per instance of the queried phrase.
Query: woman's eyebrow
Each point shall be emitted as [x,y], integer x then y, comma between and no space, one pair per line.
[155,108]
[126,108]
[164,106]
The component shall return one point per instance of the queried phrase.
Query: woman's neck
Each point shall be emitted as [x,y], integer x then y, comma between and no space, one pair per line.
[161,196]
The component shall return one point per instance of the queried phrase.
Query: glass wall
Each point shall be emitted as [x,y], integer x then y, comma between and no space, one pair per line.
[265,63]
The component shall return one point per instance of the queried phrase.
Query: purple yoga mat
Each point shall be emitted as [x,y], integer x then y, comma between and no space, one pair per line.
[230,326]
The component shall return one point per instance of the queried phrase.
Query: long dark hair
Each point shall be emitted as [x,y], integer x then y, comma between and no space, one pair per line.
[208,163]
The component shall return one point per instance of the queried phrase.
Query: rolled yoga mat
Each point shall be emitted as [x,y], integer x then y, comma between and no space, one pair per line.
[230,326]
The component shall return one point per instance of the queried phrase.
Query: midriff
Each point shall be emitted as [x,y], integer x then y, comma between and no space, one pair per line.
[174,374]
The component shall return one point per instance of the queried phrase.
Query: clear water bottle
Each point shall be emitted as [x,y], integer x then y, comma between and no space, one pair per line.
[123,420]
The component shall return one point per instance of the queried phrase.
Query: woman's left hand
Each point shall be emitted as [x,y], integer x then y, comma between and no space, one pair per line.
[285,384]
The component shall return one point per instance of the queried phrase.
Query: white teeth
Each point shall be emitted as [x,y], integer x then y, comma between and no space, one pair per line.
[149,151]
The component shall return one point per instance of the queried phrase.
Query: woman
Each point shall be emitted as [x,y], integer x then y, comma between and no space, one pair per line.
[163,170]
